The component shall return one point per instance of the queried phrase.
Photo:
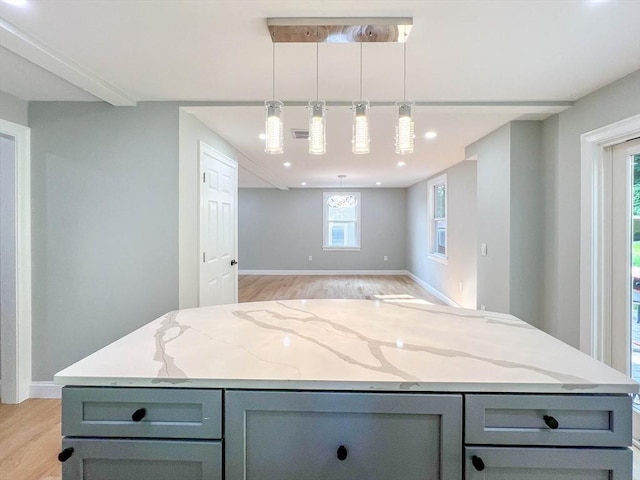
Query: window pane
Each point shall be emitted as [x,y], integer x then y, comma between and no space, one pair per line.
[342,208]
[441,237]
[342,234]
[440,195]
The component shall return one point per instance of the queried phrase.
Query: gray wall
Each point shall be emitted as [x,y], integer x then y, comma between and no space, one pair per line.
[511,220]
[104,224]
[461,236]
[494,219]
[278,230]
[192,131]
[526,222]
[562,132]
[14,109]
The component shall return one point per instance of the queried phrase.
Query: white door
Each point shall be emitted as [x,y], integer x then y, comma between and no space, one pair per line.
[218,228]
[625,263]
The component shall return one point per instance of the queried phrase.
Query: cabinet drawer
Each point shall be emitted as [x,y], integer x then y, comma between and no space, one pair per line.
[328,436]
[597,421]
[110,459]
[506,463]
[161,413]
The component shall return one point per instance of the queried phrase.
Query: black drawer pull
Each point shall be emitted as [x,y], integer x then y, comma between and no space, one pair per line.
[551,422]
[342,452]
[139,414]
[65,454]
[477,463]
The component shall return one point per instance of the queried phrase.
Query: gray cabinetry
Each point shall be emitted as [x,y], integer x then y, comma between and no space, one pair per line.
[141,433]
[507,437]
[508,463]
[111,459]
[312,435]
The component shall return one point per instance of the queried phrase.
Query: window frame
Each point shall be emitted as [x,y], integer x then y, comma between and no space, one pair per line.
[433,220]
[325,223]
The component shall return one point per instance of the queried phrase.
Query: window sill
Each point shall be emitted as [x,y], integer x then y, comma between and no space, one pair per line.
[438,258]
[341,249]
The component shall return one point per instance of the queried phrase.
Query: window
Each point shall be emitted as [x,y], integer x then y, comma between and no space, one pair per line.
[437,204]
[341,221]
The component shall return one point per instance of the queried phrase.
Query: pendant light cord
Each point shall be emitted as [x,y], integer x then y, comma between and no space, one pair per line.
[360,71]
[404,87]
[317,63]
[273,56]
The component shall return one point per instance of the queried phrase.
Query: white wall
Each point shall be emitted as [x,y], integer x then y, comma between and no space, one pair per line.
[280,229]
[191,132]
[612,103]
[14,109]
[461,236]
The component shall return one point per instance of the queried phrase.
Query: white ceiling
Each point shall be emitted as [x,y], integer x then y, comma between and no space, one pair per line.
[459,52]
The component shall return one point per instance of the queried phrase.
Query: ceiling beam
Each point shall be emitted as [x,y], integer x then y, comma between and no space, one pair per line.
[20,43]
[374,103]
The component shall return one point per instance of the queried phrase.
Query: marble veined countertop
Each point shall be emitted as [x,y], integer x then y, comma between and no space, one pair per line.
[345,345]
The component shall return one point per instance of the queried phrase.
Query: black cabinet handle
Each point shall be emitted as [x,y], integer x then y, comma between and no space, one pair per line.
[234,262]
[477,463]
[551,422]
[139,414]
[342,452]
[65,454]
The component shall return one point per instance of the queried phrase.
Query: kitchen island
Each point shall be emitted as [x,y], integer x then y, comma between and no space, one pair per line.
[324,389]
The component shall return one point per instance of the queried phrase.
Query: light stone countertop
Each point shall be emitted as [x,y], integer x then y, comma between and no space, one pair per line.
[348,345]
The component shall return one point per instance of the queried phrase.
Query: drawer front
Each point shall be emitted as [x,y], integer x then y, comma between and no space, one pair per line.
[504,463]
[161,413]
[110,459]
[327,436]
[602,421]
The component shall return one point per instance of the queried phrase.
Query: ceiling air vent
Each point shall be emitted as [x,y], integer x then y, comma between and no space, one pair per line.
[300,133]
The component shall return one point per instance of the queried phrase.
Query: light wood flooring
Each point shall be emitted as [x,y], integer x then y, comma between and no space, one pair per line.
[252,288]
[30,432]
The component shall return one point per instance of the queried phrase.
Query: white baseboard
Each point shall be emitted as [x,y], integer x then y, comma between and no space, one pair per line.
[436,293]
[322,272]
[45,390]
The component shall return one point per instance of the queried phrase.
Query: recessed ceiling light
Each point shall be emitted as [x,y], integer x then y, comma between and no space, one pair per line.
[287,164]
[378,183]
[303,184]
[262,136]
[17,3]
[401,164]
[430,135]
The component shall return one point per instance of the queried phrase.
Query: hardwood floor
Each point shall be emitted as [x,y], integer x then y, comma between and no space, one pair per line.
[30,440]
[252,288]
[30,431]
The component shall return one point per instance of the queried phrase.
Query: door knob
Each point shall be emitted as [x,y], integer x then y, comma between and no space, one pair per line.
[234,262]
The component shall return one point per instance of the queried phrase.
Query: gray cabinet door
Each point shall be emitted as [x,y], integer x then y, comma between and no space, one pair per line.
[330,436]
[168,412]
[507,463]
[114,459]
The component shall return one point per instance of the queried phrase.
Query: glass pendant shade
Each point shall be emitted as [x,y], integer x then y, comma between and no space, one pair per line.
[404,128]
[317,128]
[360,140]
[274,130]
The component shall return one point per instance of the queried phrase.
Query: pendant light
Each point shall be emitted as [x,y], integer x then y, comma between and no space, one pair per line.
[360,139]
[317,119]
[274,129]
[404,123]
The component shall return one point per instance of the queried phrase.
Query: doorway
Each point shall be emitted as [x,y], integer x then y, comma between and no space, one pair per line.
[15,263]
